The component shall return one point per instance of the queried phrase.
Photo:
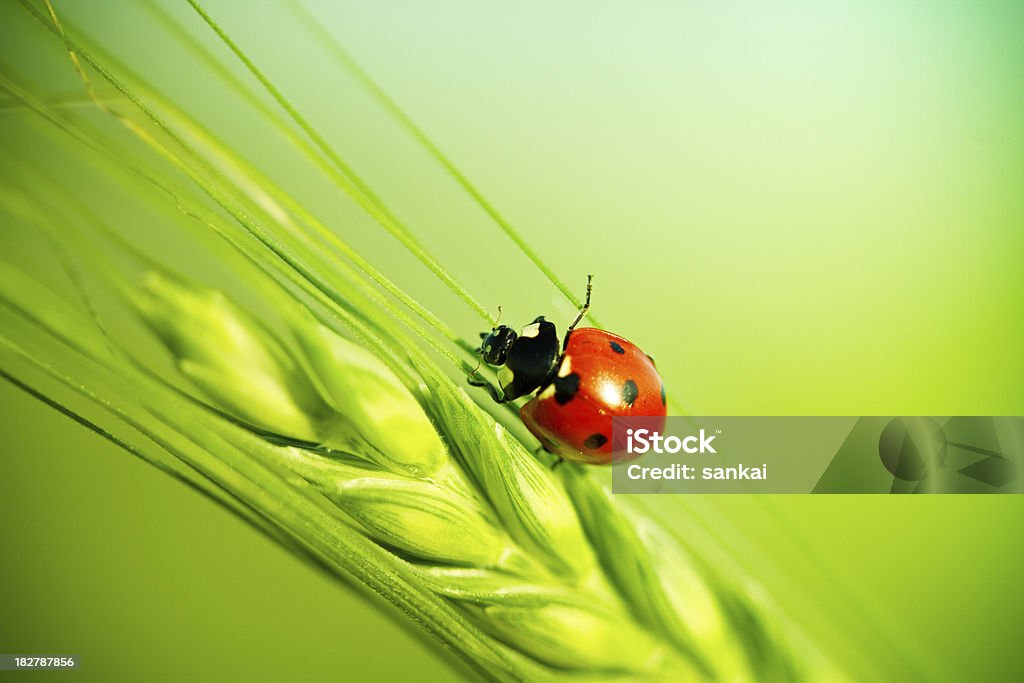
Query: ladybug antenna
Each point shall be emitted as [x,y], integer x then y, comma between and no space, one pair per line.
[498,319]
[585,308]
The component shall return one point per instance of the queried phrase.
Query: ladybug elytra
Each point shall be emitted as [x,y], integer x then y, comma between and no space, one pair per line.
[580,385]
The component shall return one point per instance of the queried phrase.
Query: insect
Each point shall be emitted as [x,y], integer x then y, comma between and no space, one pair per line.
[580,384]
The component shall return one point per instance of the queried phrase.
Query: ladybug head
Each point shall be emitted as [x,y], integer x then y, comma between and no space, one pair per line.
[495,345]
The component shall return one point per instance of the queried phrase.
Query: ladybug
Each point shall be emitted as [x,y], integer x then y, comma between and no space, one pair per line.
[578,385]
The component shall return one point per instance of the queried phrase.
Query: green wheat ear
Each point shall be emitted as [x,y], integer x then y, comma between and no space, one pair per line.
[491,529]
[326,421]
[542,567]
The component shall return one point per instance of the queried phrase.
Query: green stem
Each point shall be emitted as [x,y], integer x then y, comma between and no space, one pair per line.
[314,281]
[310,153]
[363,194]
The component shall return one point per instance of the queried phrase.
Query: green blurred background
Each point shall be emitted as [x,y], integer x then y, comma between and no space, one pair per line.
[797,208]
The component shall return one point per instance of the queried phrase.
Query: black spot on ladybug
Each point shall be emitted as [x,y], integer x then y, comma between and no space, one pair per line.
[595,441]
[630,392]
[617,347]
[662,394]
[566,388]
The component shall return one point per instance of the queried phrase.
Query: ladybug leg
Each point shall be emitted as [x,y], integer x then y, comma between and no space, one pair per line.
[583,311]
[540,451]
[476,380]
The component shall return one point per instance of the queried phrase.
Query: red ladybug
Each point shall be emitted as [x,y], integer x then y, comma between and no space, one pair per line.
[580,385]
